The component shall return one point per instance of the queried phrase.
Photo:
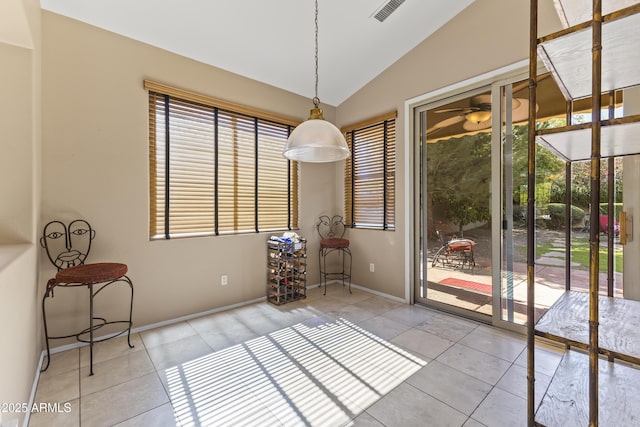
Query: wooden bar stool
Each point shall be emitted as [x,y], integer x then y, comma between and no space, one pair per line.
[331,231]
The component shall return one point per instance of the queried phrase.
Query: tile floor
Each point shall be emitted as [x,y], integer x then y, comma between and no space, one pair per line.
[341,359]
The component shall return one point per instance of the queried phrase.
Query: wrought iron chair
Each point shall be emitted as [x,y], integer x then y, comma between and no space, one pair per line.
[454,253]
[67,247]
[331,231]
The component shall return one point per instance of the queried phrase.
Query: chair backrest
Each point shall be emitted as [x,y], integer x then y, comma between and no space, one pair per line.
[67,245]
[442,237]
[329,228]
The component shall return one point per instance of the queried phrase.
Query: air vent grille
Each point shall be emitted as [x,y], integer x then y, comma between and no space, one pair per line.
[387,9]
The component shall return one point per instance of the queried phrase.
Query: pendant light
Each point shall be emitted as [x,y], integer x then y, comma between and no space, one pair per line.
[316,140]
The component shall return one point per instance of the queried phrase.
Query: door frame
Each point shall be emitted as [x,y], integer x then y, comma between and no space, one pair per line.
[495,79]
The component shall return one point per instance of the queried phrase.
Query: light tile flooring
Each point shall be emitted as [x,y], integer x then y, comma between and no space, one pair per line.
[340,359]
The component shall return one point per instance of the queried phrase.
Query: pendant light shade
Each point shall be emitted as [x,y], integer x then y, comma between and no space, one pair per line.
[316,140]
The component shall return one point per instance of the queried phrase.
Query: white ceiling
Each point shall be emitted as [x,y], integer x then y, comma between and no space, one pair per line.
[272,41]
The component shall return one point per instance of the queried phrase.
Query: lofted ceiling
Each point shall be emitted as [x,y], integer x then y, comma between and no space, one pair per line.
[272,41]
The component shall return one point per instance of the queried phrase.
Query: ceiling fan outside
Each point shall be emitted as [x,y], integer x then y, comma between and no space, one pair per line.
[477,116]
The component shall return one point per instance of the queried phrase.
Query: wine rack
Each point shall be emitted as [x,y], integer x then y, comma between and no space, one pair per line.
[286,270]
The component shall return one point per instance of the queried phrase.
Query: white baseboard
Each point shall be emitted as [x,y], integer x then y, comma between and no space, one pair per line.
[71,346]
[135,330]
[195,315]
[34,386]
[380,294]
[365,289]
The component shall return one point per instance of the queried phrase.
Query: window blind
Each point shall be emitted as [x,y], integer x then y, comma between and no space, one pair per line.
[215,171]
[370,173]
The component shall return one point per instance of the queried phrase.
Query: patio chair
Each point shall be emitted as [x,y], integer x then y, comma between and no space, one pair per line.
[454,253]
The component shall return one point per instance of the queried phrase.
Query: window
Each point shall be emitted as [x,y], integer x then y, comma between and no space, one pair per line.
[370,173]
[217,168]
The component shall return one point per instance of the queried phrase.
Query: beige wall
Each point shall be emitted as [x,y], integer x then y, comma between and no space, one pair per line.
[19,200]
[96,146]
[19,327]
[487,35]
[17,132]
[95,166]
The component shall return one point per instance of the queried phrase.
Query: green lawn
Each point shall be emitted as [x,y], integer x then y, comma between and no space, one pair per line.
[580,252]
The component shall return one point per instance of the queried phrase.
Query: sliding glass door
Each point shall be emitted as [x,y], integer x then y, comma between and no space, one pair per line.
[470,156]
[511,299]
[455,238]
[470,152]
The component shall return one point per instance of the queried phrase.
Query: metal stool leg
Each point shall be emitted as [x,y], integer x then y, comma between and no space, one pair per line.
[130,312]
[342,255]
[346,251]
[90,286]
[323,269]
[343,274]
[46,332]
[320,266]
[103,321]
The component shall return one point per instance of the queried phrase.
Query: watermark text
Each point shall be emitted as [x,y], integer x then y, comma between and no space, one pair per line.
[17,407]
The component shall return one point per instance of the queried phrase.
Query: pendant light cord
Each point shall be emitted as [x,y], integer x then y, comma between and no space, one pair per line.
[316,100]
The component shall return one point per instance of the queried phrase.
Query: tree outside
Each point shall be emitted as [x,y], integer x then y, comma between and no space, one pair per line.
[459,179]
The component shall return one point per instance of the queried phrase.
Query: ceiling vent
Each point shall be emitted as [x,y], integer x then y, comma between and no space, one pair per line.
[387,9]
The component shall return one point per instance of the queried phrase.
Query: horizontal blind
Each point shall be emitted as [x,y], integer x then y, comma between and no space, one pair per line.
[273,175]
[215,171]
[191,168]
[348,182]
[293,193]
[157,170]
[370,175]
[201,99]
[236,173]
[390,159]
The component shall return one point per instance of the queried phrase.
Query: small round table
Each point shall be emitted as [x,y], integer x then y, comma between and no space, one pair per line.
[95,277]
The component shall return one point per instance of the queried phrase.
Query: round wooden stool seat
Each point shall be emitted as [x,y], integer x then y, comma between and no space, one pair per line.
[334,242]
[92,273]
[461,245]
